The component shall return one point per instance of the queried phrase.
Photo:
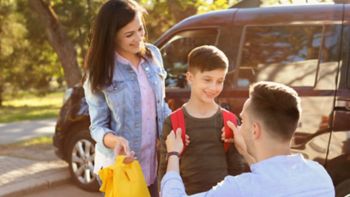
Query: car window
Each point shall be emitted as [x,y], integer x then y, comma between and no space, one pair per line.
[272,53]
[329,57]
[175,53]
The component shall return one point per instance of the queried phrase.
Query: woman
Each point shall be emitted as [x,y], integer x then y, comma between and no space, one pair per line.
[124,89]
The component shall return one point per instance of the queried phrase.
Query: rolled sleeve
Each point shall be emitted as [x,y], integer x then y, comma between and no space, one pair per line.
[99,114]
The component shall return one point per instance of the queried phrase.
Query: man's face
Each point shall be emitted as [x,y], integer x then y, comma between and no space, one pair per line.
[206,85]
[246,127]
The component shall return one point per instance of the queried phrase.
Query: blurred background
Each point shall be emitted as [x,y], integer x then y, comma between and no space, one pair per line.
[43,44]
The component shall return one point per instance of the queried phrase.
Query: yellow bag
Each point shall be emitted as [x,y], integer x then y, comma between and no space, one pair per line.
[123,180]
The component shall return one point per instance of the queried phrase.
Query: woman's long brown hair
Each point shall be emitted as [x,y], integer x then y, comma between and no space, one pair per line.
[99,63]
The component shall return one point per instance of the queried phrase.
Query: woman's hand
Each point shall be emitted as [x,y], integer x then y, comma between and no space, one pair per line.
[122,148]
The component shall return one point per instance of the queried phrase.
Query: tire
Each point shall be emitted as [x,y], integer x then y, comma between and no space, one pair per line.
[81,154]
[343,189]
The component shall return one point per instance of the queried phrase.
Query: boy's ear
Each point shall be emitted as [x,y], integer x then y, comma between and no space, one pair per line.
[189,77]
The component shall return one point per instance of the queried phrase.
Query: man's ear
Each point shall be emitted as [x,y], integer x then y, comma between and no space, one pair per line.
[256,130]
[189,77]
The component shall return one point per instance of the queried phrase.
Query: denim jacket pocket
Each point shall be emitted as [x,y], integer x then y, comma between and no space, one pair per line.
[116,95]
[116,86]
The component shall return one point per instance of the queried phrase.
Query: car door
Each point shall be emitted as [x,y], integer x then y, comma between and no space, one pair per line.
[299,47]
[338,160]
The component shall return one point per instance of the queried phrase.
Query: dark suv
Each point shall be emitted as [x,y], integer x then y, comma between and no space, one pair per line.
[305,47]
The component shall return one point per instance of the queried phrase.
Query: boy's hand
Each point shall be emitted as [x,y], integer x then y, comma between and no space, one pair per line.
[174,142]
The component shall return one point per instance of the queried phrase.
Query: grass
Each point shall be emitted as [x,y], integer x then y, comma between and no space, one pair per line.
[31,107]
[43,140]
[35,141]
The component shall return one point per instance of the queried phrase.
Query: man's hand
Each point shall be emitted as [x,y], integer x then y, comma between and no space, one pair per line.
[239,142]
[187,140]
[238,139]
[174,142]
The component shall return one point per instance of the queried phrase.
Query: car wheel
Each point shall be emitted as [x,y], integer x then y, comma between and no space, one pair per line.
[81,154]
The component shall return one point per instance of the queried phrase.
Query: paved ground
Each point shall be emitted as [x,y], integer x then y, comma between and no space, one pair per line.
[17,131]
[32,168]
[67,190]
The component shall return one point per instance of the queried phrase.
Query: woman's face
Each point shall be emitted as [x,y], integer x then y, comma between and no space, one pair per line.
[129,39]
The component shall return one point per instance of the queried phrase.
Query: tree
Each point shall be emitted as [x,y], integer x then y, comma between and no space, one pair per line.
[30,59]
[59,41]
[11,30]
[162,14]
[28,62]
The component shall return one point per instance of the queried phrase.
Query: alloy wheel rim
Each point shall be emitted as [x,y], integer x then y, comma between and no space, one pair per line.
[83,161]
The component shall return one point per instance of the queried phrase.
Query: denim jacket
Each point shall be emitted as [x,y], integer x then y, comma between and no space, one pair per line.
[117,108]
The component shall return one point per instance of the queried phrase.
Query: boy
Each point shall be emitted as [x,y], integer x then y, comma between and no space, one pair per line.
[204,162]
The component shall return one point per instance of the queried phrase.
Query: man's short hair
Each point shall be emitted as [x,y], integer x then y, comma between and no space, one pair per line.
[277,106]
[206,58]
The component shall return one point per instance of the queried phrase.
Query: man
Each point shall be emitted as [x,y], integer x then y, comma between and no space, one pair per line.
[269,118]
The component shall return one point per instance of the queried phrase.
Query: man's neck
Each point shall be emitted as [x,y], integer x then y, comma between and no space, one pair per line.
[200,110]
[266,151]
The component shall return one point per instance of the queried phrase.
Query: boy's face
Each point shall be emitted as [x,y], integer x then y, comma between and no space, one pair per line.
[206,85]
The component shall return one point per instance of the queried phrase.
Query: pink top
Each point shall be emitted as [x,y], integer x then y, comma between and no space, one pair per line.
[148,155]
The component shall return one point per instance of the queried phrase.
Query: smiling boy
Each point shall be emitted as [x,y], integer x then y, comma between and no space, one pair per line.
[204,162]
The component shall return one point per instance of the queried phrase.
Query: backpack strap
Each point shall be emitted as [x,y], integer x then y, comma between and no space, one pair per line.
[177,119]
[228,116]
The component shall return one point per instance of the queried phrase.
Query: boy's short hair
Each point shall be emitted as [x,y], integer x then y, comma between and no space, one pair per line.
[206,58]
[277,106]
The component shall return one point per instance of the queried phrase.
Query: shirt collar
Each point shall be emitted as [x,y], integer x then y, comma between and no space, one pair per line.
[123,60]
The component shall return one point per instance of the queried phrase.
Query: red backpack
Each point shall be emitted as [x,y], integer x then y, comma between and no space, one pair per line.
[178,121]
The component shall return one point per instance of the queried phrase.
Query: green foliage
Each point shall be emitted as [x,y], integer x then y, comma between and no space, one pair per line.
[77,18]
[162,14]
[158,19]
[205,6]
[28,62]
